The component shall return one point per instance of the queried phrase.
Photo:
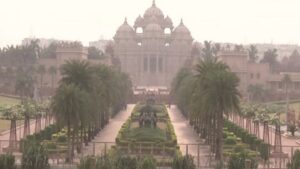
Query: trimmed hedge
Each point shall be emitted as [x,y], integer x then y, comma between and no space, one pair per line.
[255,143]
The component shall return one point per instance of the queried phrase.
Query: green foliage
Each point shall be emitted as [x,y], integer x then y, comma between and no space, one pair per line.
[183,162]
[292,128]
[148,163]
[126,162]
[237,161]
[45,134]
[35,157]
[251,140]
[7,161]
[295,162]
[87,162]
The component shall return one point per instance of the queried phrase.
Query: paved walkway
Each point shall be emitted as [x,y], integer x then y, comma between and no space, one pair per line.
[108,134]
[188,139]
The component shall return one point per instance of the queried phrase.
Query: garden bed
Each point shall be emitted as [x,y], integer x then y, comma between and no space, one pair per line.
[141,140]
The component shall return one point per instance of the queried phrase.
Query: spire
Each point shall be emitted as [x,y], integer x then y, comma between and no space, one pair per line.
[153,3]
[125,21]
[181,22]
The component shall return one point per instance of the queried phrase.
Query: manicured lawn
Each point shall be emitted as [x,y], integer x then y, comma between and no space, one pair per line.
[8,101]
[147,134]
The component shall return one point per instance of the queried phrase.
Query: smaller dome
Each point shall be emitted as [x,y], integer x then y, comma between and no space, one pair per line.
[125,28]
[125,31]
[168,21]
[182,29]
[153,27]
[138,21]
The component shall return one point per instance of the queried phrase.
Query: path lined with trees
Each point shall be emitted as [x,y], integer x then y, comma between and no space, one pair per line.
[108,134]
[188,139]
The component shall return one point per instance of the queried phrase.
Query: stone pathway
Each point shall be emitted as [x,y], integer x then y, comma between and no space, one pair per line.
[108,134]
[188,140]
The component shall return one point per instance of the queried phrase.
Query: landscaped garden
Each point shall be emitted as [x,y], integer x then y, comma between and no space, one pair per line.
[148,131]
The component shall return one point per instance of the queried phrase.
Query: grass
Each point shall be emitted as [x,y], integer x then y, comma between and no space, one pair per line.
[146,134]
[5,125]
[8,101]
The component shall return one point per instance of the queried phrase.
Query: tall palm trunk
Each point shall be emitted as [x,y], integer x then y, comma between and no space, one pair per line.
[287,101]
[219,139]
[69,142]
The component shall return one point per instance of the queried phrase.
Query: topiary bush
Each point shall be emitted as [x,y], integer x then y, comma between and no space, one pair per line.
[7,161]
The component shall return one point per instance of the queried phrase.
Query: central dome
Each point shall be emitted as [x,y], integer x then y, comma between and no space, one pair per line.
[153,11]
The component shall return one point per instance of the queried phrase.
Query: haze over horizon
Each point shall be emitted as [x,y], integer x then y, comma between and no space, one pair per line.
[234,21]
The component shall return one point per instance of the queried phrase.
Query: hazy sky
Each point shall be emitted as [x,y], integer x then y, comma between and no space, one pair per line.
[238,21]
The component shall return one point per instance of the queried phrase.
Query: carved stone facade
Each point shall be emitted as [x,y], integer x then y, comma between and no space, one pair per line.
[152,51]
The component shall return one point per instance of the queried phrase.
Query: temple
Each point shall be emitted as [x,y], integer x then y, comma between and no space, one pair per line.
[152,51]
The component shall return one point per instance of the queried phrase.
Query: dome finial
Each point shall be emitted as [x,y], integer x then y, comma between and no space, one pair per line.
[181,21]
[153,3]
[125,21]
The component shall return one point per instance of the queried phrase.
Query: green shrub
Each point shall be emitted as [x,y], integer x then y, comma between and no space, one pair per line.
[183,162]
[295,162]
[148,163]
[7,161]
[230,140]
[292,128]
[87,162]
[238,160]
[35,157]
[126,162]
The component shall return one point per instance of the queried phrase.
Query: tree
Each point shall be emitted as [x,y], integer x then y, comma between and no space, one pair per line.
[270,57]
[24,85]
[286,80]
[256,93]
[207,51]
[41,70]
[206,96]
[68,104]
[94,53]
[238,48]
[218,95]
[77,72]
[252,54]
[52,71]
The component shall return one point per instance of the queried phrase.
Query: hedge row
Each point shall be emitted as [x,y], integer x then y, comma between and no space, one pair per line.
[255,143]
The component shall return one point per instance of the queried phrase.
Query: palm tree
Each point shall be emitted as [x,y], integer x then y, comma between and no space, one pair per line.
[286,80]
[52,71]
[207,51]
[68,104]
[252,53]
[218,95]
[77,72]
